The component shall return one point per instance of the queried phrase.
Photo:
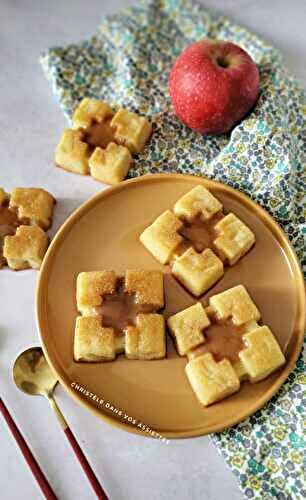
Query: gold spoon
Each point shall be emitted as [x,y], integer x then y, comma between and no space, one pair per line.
[33,375]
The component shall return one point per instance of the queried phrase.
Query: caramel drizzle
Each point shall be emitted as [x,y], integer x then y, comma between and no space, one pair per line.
[199,234]
[9,223]
[120,309]
[99,134]
[223,340]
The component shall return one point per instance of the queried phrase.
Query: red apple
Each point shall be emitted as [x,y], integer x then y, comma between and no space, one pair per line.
[213,84]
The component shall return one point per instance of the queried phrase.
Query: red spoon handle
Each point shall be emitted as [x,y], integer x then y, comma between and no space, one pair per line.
[85,465]
[28,455]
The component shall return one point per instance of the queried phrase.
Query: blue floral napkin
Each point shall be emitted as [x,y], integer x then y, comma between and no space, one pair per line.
[127,62]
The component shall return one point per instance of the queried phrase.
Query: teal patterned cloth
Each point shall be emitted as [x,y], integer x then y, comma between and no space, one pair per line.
[127,62]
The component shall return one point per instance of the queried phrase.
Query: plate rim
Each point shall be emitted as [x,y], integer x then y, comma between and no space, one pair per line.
[266,218]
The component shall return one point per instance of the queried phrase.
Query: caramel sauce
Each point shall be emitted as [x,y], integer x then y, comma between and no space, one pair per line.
[99,134]
[222,340]
[8,225]
[120,309]
[8,221]
[199,233]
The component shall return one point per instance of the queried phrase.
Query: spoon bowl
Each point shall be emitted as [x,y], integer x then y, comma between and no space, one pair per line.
[32,374]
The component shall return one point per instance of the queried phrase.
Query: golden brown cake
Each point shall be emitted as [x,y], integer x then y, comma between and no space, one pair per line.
[24,217]
[198,271]
[224,344]
[131,130]
[146,340]
[91,288]
[110,165]
[262,354]
[197,240]
[198,201]
[234,239]
[148,287]
[33,205]
[187,328]
[211,380]
[93,342]
[101,142]
[72,153]
[26,248]
[236,304]
[125,310]
[162,238]
[90,110]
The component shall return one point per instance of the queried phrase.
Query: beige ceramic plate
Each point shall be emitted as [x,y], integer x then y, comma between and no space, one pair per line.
[103,234]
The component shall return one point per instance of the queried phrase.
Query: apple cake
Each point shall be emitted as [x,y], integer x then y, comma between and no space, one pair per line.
[25,215]
[119,314]
[224,344]
[197,240]
[101,142]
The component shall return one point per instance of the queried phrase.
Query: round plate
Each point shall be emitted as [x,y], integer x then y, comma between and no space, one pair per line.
[104,234]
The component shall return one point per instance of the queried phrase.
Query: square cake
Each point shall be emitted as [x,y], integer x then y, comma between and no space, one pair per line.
[25,215]
[34,206]
[131,130]
[187,328]
[198,200]
[93,342]
[197,240]
[162,237]
[146,340]
[101,142]
[91,110]
[262,354]
[26,248]
[198,271]
[111,164]
[224,344]
[211,380]
[72,153]
[119,314]
[234,239]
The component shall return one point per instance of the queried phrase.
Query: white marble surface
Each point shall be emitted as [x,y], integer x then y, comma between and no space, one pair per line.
[129,467]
